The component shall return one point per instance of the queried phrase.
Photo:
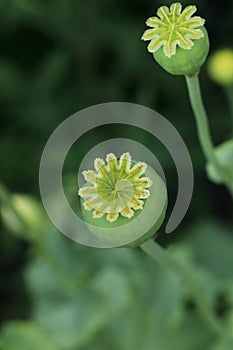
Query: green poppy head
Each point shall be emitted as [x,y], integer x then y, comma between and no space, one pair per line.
[123,194]
[178,41]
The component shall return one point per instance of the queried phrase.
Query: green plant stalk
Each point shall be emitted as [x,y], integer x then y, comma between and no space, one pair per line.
[203,126]
[201,118]
[161,256]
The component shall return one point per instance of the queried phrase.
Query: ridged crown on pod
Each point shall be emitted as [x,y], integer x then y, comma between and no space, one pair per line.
[178,40]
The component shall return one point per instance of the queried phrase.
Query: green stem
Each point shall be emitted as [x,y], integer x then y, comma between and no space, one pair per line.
[203,126]
[201,117]
[161,256]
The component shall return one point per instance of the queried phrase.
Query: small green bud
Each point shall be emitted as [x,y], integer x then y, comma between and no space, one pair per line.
[30,215]
[224,155]
[178,41]
[118,196]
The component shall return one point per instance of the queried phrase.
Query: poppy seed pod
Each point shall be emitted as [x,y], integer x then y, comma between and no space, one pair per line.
[178,41]
[123,202]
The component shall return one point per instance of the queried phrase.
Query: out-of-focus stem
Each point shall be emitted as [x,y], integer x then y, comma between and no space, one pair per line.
[161,256]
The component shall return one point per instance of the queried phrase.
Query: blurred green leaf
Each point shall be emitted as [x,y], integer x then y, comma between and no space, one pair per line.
[161,319]
[211,243]
[223,344]
[72,316]
[22,335]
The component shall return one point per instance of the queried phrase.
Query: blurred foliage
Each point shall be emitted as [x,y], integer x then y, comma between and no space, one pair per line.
[58,57]
[85,298]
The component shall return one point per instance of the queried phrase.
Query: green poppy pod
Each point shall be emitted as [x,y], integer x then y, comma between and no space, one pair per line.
[178,41]
[185,62]
[122,207]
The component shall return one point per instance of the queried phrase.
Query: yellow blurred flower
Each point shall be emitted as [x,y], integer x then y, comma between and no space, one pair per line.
[221,66]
